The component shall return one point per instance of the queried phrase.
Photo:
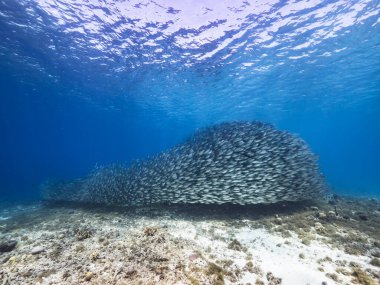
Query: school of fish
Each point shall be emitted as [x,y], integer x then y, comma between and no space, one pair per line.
[232,162]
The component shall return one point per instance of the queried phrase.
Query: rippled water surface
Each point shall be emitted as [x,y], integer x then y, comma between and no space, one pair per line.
[88,82]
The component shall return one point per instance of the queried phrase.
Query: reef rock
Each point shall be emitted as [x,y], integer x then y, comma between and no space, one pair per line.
[7,245]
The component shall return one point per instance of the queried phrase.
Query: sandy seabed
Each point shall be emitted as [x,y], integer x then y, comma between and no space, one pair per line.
[329,242]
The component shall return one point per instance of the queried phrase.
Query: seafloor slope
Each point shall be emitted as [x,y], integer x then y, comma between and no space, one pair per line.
[332,242]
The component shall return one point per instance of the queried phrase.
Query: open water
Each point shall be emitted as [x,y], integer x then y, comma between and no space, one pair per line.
[91,82]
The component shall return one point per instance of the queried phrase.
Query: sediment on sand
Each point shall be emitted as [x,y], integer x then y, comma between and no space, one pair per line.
[336,242]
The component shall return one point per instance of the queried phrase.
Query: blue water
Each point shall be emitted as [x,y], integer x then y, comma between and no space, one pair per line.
[86,82]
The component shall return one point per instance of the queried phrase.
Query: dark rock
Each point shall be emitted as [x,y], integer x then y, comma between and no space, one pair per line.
[362,216]
[9,245]
[5,259]
[273,280]
[150,231]
[83,233]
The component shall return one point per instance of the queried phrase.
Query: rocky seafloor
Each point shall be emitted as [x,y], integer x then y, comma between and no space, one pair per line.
[334,241]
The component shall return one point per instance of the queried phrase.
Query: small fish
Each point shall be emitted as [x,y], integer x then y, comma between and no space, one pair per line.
[234,162]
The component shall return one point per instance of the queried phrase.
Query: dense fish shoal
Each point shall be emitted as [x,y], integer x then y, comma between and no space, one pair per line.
[233,162]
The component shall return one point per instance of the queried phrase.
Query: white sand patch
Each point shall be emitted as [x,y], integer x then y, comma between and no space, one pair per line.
[270,252]
[180,249]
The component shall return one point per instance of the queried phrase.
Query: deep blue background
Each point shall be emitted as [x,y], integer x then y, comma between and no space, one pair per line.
[66,105]
[44,136]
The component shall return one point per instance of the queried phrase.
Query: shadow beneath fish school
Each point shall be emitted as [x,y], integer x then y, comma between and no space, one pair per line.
[62,212]
[200,212]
